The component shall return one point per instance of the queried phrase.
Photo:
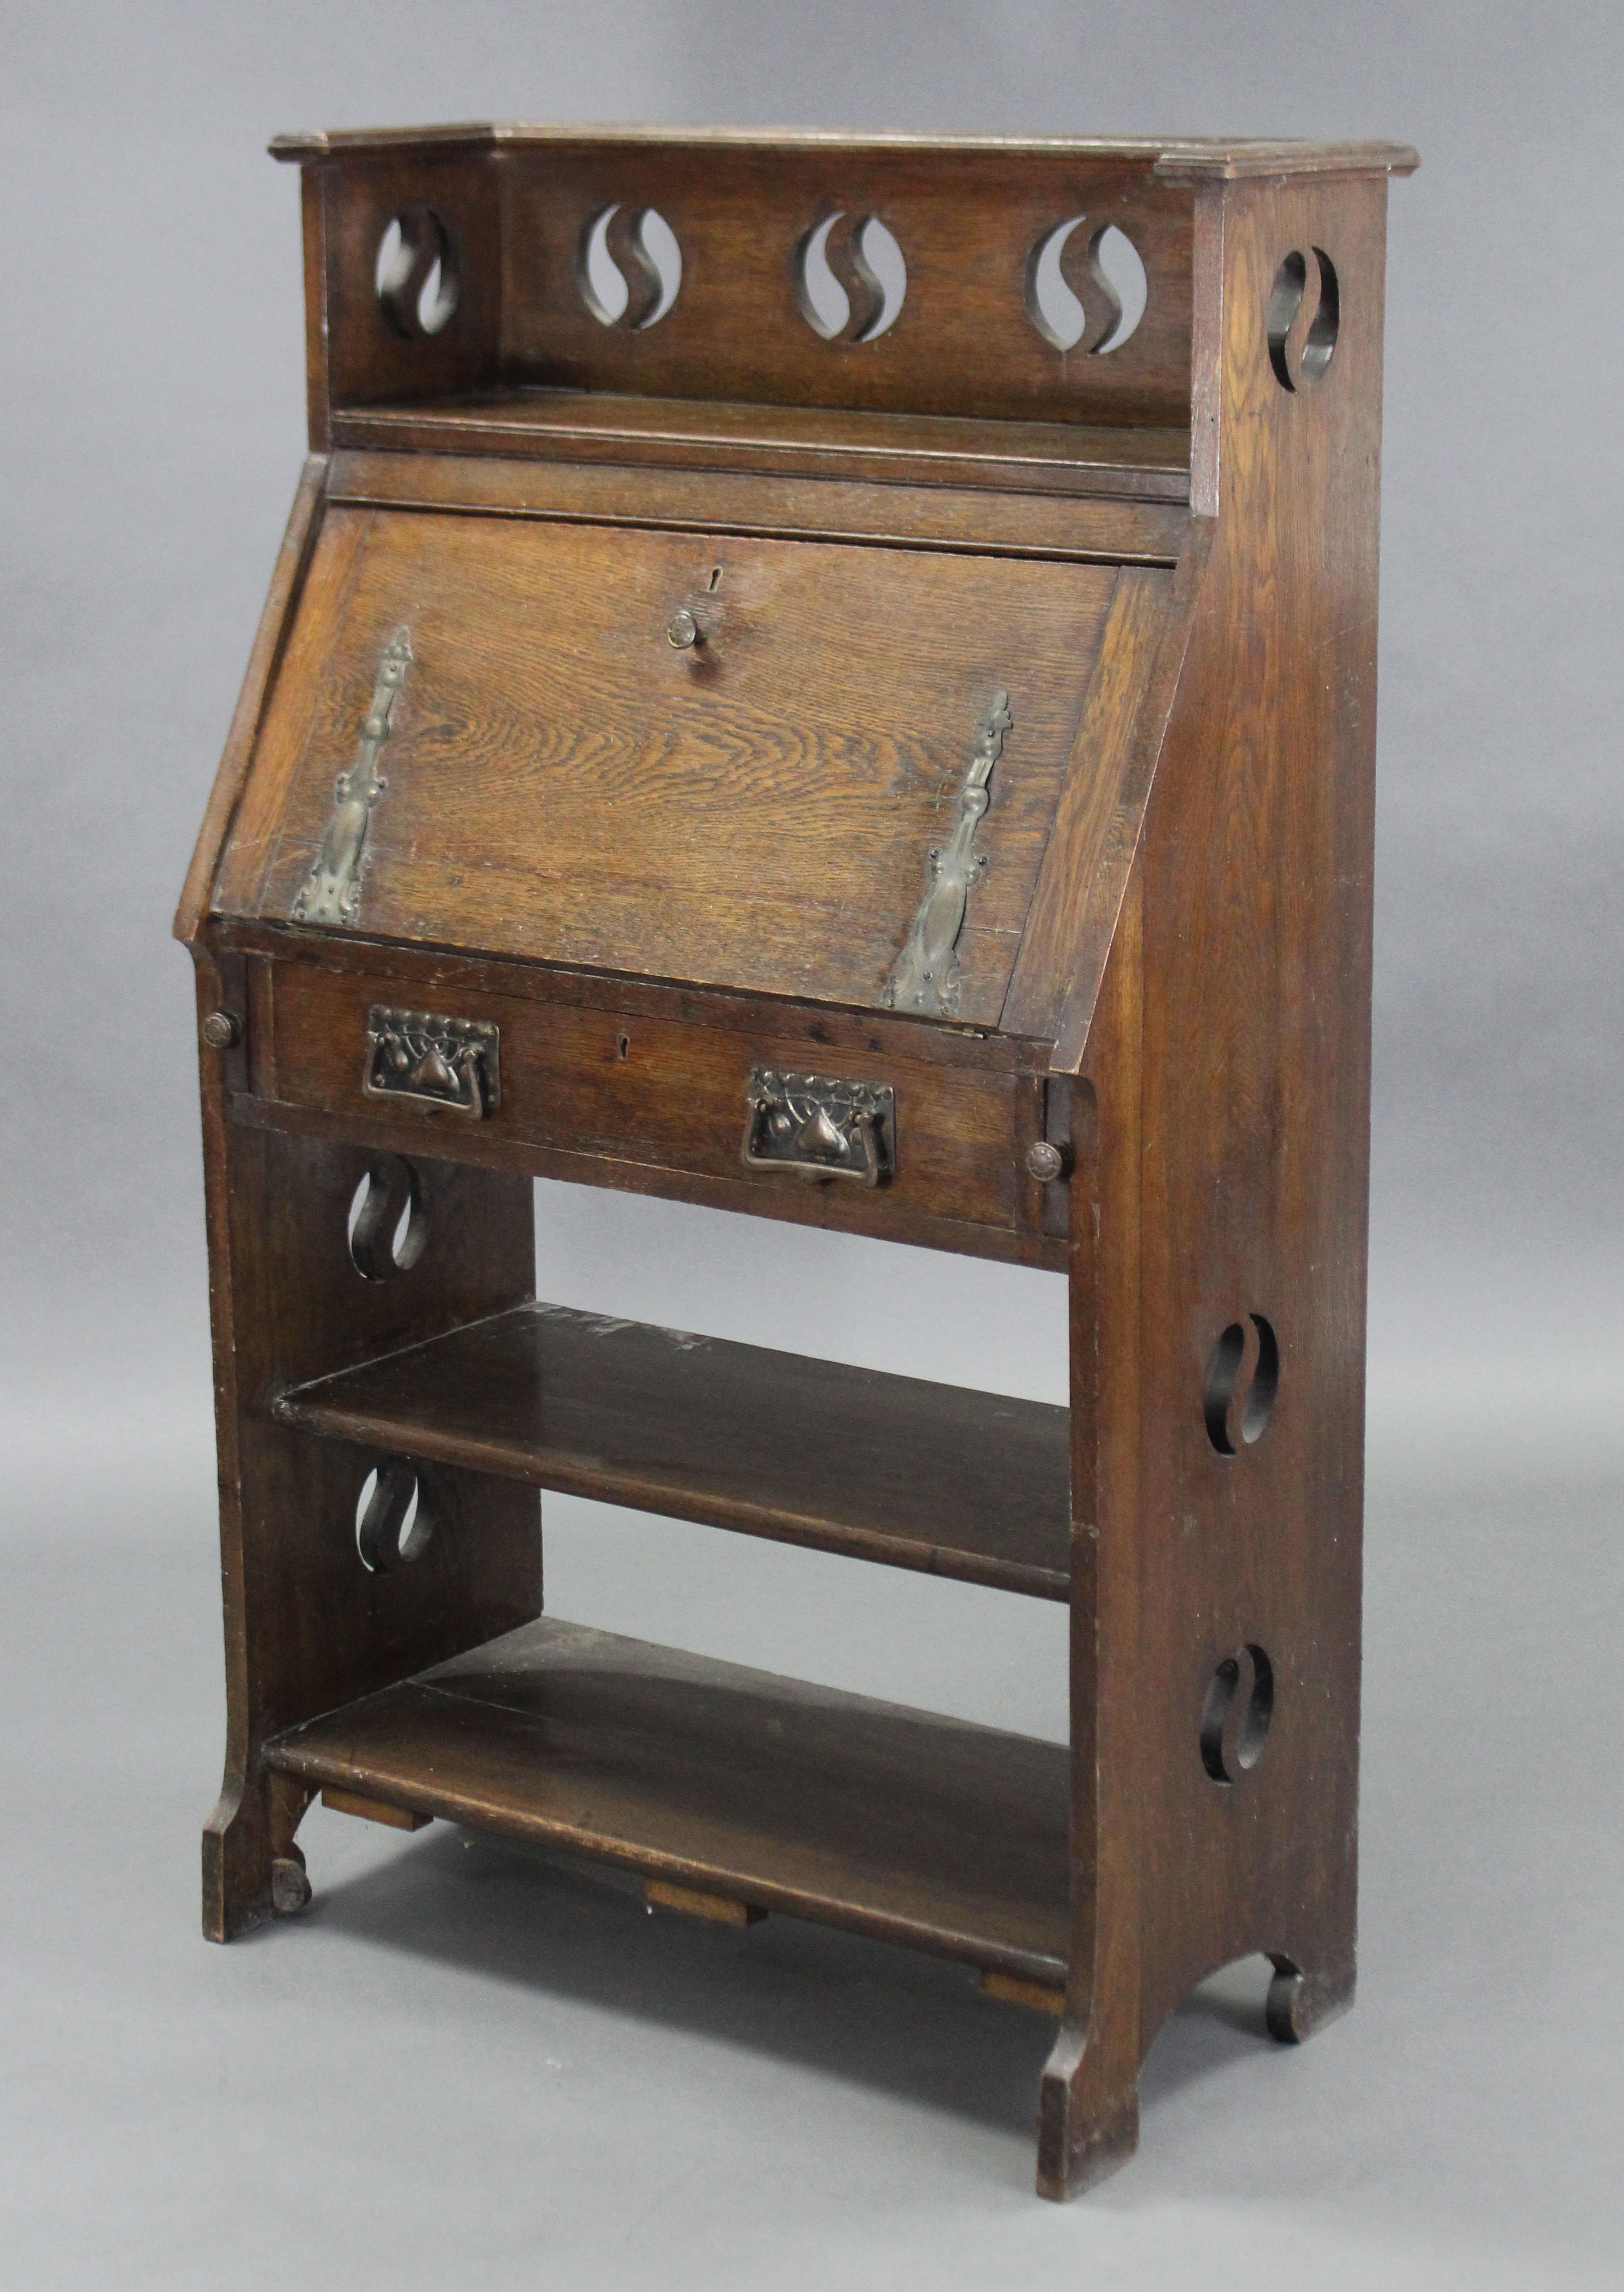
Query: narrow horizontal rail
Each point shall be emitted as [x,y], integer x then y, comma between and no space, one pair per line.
[1072,458]
[902,1824]
[963,1484]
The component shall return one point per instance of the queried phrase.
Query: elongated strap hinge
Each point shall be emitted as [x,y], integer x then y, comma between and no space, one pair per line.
[331,893]
[925,977]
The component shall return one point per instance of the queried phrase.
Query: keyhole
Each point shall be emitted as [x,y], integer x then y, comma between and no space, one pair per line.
[622,1046]
[715,581]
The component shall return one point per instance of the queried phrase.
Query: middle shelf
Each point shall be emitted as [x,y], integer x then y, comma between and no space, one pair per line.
[934,1477]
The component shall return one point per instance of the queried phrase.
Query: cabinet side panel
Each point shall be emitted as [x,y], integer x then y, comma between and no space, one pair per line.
[307,1625]
[281,605]
[1256,1125]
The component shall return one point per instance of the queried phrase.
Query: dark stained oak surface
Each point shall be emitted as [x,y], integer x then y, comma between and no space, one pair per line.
[931,1477]
[898,1823]
[492,476]
[653,869]
[1063,457]
[756,812]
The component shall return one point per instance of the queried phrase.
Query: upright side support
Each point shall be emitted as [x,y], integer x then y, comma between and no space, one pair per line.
[1256,1109]
[308,1626]
[1088,2104]
[1218,1301]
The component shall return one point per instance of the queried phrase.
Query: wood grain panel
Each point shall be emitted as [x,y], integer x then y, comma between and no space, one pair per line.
[275,624]
[1258,859]
[961,516]
[1069,458]
[968,1485]
[602,1084]
[757,813]
[311,634]
[897,1823]
[963,342]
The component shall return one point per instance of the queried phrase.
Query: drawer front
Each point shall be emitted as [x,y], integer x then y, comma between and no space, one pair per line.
[625,1088]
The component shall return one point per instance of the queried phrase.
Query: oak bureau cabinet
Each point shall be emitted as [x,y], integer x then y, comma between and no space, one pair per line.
[833,679]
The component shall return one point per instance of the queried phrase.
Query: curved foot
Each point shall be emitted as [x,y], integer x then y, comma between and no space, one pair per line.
[252,1869]
[1301,2000]
[1084,2132]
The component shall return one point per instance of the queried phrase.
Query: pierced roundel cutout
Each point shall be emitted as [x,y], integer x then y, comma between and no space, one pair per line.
[1304,317]
[395,1522]
[1242,1382]
[850,278]
[389,1220]
[417,276]
[1085,287]
[1236,1715]
[628,267]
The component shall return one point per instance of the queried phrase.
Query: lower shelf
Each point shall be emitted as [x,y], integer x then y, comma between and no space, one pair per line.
[919,1829]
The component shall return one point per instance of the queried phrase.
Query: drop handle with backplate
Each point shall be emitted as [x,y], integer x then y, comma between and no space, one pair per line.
[817,1126]
[426,1060]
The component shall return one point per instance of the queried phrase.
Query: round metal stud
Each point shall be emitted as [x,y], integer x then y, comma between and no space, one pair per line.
[682,630]
[1045,1162]
[221,1030]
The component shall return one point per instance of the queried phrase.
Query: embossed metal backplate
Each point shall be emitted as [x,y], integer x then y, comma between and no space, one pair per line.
[430,1060]
[820,1127]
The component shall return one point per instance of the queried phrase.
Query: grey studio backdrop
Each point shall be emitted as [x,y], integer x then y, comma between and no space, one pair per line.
[465,2066]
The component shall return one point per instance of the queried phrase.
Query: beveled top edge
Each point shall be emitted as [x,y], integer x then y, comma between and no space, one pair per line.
[1190,157]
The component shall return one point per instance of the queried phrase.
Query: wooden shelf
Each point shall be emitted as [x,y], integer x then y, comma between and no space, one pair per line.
[898,1823]
[1121,460]
[927,1476]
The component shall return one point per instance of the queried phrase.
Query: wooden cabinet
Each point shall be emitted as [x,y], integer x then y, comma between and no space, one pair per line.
[908,772]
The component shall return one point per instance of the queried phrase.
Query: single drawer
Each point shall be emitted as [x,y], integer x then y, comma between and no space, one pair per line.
[763,1108]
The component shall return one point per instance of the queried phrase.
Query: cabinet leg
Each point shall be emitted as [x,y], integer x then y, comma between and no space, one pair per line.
[252,1867]
[1303,1998]
[1087,2120]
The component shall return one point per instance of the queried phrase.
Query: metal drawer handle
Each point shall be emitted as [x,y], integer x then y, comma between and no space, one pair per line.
[817,1126]
[431,1061]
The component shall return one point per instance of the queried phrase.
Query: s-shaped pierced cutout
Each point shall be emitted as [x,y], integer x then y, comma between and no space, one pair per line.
[1242,1380]
[849,278]
[389,1220]
[1085,287]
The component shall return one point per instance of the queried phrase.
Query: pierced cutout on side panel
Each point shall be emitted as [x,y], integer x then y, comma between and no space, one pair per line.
[389,1220]
[393,1520]
[416,278]
[628,267]
[849,278]
[1302,329]
[1242,1380]
[1236,1714]
[1085,286]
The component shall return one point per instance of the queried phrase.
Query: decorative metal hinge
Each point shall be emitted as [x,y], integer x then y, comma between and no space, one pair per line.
[817,1126]
[434,1061]
[925,977]
[331,892]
